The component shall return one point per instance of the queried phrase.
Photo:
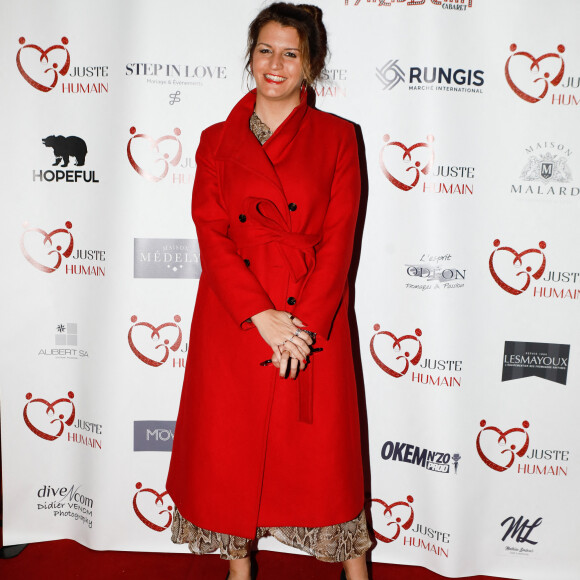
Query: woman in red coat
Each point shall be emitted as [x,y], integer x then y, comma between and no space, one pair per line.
[273,449]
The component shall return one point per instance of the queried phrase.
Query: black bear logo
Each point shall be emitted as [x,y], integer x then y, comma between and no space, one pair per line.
[65,147]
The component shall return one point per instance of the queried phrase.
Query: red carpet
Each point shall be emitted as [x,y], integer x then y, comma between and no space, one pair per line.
[67,560]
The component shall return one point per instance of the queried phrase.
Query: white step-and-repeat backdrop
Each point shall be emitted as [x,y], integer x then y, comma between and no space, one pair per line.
[467,291]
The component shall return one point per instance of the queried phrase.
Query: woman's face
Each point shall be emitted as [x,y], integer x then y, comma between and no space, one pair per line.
[277,64]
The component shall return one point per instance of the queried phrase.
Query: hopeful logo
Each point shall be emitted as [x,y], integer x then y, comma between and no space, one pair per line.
[150,157]
[529,77]
[41,68]
[45,251]
[151,507]
[152,344]
[498,449]
[513,271]
[390,74]
[399,353]
[48,420]
[402,165]
[397,516]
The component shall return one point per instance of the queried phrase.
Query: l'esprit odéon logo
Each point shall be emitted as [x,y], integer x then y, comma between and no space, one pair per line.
[154,159]
[533,78]
[66,343]
[50,420]
[153,509]
[524,271]
[396,355]
[434,271]
[407,166]
[437,461]
[546,174]
[42,68]
[65,502]
[455,5]
[430,78]
[154,345]
[62,151]
[48,251]
[505,450]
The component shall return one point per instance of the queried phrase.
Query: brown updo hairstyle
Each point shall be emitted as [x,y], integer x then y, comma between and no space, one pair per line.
[307,20]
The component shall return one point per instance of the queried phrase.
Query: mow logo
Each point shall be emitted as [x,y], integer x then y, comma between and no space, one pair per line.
[151,157]
[397,516]
[399,353]
[48,420]
[152,344]
[402,165]
[498,449]
[513,271]
[41,68]
[46,251]
[530,77]
[150,508]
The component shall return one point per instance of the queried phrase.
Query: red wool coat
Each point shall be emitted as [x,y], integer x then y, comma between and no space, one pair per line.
[275,226]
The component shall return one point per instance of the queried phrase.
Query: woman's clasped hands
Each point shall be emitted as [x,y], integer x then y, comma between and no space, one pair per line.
[290,344]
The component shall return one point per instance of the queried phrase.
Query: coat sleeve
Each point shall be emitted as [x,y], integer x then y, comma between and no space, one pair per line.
[326,286]
[239,291]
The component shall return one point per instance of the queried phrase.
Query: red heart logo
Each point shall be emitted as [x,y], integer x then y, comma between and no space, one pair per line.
[392,519]
[41,68]
[513,271]
[402,165]
[48,420]
[150,157]
[152,509]
[152,344]
[498,449]
[46,251]
[394,355]
[530,77]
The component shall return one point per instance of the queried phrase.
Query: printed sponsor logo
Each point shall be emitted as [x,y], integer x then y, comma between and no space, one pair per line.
[535,359]
[393,518]
[50,420]
[47,251]
[454,5]
[63,149]
[153,509]
[332,83]
[518,535]
[66,502]
[154,345]
[166,258]
[435,272]
[65,343]
[503,450]
[438,461]
[153,435]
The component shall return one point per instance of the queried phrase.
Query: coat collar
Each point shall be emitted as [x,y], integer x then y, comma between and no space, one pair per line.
[239,144]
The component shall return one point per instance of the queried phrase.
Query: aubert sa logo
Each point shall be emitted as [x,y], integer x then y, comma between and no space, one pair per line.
[396,517]
[151,157]
[41,68]
[404,165]
[154,509]
[498,449]
[530,77]
[153,344]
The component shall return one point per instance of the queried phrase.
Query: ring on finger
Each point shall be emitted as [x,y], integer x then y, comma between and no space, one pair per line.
[297,333]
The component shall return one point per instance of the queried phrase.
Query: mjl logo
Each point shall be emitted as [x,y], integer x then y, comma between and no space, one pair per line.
[41,68]
[520,531]
[153,344]
[153,508]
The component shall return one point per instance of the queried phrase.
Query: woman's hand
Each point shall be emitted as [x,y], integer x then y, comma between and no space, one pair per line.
[289,344]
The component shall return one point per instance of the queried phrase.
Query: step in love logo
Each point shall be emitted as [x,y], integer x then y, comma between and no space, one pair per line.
[46,250]
[153,344]
[395,517]
[530,77]
[41,68]
[498,449]
[154,509]
[151,157]
[395,355]
[46,419]
[513,271]
[402,165]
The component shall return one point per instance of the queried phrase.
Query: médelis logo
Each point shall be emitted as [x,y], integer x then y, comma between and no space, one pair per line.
[153,509]
[153,158]
[153,345]
[41,68]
